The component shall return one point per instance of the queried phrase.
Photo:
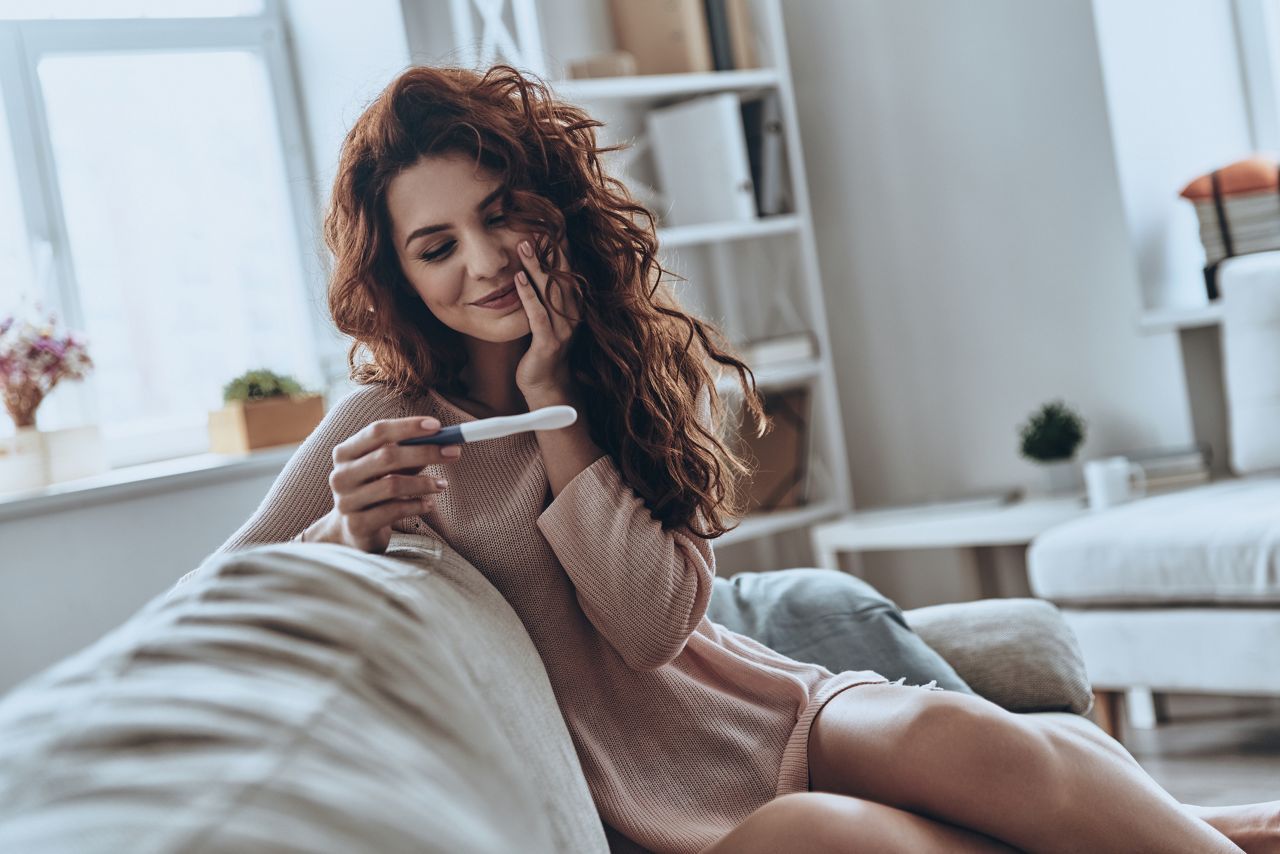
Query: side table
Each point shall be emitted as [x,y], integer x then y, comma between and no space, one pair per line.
[982,529]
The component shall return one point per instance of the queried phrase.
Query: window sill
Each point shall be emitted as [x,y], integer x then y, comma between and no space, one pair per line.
[141,480]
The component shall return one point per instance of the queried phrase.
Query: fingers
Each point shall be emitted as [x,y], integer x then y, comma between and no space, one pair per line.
[369,525]
[555,299]
[383,432]
[392,488]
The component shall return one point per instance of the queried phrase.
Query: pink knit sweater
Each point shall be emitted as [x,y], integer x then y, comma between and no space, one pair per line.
[683,727]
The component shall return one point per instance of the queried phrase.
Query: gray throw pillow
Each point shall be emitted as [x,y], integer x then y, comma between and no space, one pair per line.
[826,617]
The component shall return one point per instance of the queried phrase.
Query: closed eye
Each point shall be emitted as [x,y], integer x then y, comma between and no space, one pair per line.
[439,252]
[444,249]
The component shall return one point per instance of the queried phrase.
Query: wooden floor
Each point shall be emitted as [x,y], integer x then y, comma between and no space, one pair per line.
[1214,751]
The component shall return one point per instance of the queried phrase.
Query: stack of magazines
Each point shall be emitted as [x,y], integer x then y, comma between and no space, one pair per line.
[1167,469]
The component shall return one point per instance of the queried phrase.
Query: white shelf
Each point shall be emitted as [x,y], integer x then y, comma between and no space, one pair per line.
[774,376]
[148,479]
[942,527]
[654,87]
[1176,319]
[766,524]
[716,232]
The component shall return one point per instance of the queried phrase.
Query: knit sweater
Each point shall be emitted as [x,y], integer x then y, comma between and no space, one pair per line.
[683,727]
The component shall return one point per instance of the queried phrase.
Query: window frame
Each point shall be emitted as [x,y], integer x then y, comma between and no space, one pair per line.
[24,43]
[1258,41]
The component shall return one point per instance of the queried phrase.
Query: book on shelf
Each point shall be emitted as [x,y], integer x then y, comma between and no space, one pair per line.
[762,130]
[762,352]
[700,157]
[718,34]
[664,36]
[742,34]
[1253,225]
[732,35]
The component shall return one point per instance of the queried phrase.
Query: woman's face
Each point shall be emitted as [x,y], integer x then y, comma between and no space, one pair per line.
[455,247]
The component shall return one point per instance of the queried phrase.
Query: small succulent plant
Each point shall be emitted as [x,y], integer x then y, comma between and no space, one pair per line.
[1053,433]
[261,384]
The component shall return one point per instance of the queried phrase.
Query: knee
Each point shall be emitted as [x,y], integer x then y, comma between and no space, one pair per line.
[814,821]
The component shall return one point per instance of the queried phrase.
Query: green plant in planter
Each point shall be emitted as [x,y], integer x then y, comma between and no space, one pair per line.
[261,384]
[1052,434]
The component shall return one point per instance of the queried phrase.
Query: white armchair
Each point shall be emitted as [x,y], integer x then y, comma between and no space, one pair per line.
[1181,592]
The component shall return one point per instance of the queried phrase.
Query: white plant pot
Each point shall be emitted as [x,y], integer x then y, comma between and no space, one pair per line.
[1062,477]
[22,465]
[34,458]
[73,453]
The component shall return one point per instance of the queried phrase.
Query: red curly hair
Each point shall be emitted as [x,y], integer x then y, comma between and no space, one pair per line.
[640,362]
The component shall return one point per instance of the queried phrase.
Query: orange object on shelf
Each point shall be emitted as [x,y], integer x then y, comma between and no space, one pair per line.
[243,426]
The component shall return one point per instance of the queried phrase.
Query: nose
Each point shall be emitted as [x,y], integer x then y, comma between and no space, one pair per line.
[488,257]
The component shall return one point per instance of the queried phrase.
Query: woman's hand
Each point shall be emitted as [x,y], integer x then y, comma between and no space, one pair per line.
[553,312]
[376,481]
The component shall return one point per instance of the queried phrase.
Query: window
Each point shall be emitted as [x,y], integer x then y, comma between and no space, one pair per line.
[1258,34]
[170,215]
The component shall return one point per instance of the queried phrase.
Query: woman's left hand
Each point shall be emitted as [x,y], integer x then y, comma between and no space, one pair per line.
[553,312]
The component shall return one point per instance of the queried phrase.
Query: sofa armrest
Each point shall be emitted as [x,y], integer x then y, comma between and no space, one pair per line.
[1018,653]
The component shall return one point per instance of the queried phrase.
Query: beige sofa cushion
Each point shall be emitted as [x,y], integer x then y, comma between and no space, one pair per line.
[300,697]
[1018,653]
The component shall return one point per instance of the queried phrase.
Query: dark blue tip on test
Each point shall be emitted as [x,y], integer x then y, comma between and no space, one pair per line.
[451,435]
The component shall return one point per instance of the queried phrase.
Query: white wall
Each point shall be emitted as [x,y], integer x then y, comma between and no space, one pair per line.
[72,575]
[973,246]
[1178,109]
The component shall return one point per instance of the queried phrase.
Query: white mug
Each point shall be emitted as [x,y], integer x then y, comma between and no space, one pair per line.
[1113,481]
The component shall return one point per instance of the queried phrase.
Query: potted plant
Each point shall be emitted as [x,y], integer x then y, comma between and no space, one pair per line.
[262,409]
[35,355]
[1051,436]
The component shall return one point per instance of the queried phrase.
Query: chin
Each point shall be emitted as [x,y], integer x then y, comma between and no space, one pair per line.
[503,332]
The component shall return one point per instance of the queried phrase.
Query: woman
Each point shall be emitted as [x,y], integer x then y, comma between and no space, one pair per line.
[486,265]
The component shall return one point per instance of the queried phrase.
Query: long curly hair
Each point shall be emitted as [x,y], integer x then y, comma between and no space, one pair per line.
[642,365]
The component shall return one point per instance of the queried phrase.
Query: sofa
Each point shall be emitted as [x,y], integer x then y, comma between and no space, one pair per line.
[311,697]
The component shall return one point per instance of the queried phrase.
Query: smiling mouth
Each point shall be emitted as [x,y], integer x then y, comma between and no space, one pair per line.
[496,295]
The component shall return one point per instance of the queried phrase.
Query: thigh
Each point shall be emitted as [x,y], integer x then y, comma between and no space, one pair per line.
[823,823]
[919,750]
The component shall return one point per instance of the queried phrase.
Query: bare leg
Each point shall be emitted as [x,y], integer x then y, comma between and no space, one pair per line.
[822,823]
[966,761]
[1254,827]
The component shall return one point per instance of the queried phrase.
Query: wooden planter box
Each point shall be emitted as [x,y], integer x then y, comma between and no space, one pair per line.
[247,425]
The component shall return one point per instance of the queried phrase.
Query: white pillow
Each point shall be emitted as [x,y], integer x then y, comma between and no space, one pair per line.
[1250,287]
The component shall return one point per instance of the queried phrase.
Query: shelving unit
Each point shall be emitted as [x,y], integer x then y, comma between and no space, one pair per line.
[1177,319]
[756,279]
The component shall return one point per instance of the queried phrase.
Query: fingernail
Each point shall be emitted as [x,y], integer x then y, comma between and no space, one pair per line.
[441,483]
[522,278]
[430,424]
[526,248]
[451,451]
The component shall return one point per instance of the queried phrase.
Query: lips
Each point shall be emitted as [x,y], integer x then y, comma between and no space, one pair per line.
[496,295]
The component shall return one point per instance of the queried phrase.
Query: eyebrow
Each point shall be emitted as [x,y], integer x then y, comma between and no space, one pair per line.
[431,229]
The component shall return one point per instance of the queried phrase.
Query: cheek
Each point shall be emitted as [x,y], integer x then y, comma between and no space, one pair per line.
[438,286]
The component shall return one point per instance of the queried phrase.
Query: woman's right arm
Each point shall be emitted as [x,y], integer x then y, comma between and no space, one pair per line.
[350,480]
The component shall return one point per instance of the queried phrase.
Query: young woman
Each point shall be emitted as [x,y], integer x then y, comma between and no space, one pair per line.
[486,265]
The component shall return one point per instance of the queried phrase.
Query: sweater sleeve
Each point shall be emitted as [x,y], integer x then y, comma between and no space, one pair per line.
[643,588]
[300,494]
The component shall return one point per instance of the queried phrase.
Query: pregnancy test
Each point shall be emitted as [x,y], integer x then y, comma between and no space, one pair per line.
[546,418]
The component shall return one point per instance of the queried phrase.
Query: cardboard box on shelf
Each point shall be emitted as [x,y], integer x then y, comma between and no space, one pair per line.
[664,36]
[781,456]
[243,426]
